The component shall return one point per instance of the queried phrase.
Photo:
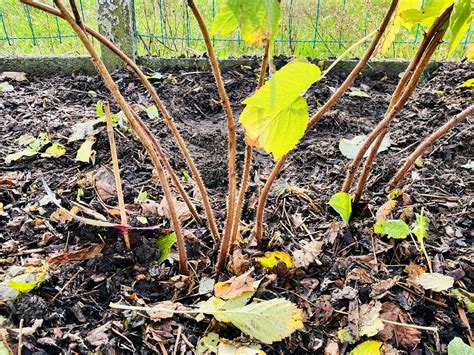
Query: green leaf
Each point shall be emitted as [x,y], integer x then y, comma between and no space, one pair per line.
[27,286]
[457,347]
[257,20]
[165,243]
[341,202]
[396,24]
[55,151]
[208,344]
[369,347]
[459,23]
[426,17]
[464,297]
[3,349]
[467,84]
[350,147]
[85,151]
[267,321]
[276,117]
[435,281]
[34,145]
[394,228]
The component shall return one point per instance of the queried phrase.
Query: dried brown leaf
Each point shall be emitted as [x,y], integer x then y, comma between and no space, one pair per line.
[105,183]
[182,210]
[234,287]
[405,337]
[360,275]
[370,322]
[379,289]
[81,254]
[239,263]
[307,254]
[384,211]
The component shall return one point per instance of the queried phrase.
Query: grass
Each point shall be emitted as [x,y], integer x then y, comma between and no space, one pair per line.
[316,28]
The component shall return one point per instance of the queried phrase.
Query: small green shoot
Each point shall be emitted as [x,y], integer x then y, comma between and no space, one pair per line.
[165,243]
[142,197]
[341,202]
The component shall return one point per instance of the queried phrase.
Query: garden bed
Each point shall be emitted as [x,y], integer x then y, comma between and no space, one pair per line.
[352,267]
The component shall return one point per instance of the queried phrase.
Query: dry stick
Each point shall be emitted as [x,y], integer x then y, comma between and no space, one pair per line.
[248,151]
[316,117]
[439,30]
[440,132]
[408,74]
[166,115]
[226,240]
[118,181]
[112,86]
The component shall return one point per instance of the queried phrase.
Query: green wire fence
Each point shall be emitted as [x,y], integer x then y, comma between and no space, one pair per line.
[316,28]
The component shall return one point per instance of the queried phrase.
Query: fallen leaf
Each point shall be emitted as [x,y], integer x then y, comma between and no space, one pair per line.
[85,152]
[142,220]
[99,337]
[208,344]
[234,287]
[266,321]
[61,215]
[226,347]
[358,93]
[406,337]
[78,255]
[350,147]
[458,347]
[368,347]
[56,150]
[384,211]
[380,288]
[239,263]
[166,310]
[105,183]
[28,281]
[152,112]
[359,275]
[465,298]
[82,129]
[182,211]
[206,285]
[332,348]
[370,323]
[414,270]
[467,84]
[435,281]
[13,75]
[308,253]
[6,87]
[271,259]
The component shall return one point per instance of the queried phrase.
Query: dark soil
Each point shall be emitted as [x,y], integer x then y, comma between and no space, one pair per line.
[74,301]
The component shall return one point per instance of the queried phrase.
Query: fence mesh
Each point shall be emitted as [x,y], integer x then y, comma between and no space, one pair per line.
[316,28]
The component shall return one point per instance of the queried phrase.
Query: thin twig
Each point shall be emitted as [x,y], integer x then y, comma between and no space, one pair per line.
[20,337]
[406,325]
[317,116]
[65,285]
[232,145]
[118,180]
